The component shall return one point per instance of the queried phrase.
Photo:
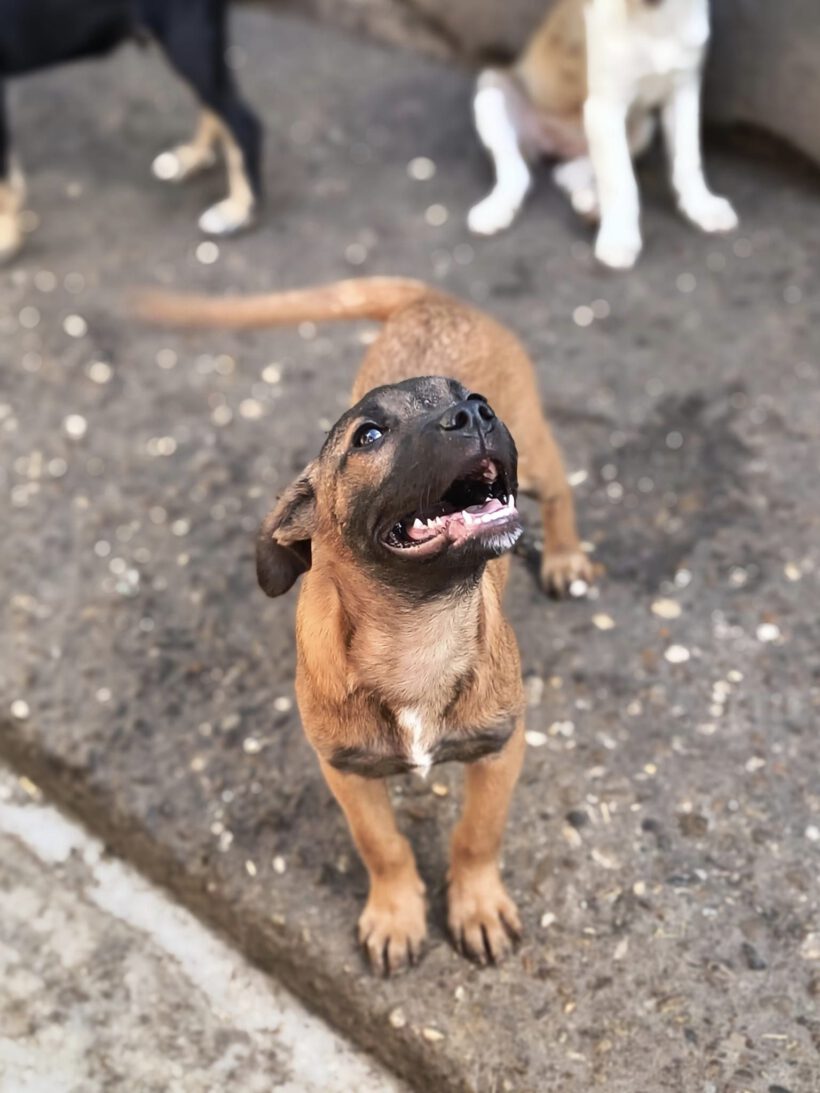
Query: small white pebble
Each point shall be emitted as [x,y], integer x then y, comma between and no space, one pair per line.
[166,359]
[432,1035]
[99,372]
[578,588]
[583,316]
[813,833]
[251,746]
[666,609]
[600,309]
[272,373]
[768,631]
[75,426]
[207,253]
[755,763]
[547,919]
[279,865]
[251,409]
[75,326]
[396,1018]
[282,704]
[20,709]
[603,622]
[439,789]
[103,694]
[421,168]
[576,478]
[792,572]
[535,739]
[250,868]
[436,215]
[677,654]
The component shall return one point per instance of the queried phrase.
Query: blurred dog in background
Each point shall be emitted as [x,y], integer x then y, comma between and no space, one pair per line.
[585,91]
[36,34]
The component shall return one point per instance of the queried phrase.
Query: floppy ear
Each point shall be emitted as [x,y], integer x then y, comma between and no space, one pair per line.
[283,542]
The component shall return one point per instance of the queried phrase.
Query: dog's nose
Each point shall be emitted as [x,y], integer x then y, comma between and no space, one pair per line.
[471,417]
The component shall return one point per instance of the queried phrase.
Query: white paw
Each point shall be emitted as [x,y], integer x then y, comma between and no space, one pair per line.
[585,203]
[491,215]
[226,217]
[11,238]
[711,214]
[180,163]
[618,250]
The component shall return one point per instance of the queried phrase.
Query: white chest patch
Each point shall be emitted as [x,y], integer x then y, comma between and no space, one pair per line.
[412,725]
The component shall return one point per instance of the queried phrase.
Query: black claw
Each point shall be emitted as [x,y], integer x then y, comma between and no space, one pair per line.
[488,949]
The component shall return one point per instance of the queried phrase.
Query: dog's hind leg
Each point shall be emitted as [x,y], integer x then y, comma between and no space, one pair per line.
[495,120]
[392,926]
[189,159]
[482,918]
[12,192]
[194,41]
[576,177]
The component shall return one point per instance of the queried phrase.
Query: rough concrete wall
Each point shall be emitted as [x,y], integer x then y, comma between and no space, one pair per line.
[764,66]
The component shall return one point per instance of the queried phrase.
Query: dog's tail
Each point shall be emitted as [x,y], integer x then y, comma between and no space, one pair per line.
[359,298]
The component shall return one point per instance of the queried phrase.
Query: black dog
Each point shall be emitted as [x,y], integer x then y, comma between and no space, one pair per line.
[37,33]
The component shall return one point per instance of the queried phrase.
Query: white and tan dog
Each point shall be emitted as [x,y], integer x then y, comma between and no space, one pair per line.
[585,91]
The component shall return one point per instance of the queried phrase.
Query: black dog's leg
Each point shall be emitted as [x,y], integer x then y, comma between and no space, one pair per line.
[198,154]
[12,191]
[193,37]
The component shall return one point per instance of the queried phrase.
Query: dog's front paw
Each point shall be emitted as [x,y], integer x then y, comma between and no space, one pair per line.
[393,925]
[560,569]
[711,213]
[482,918]
[226,217]
[491,215]
[11,238]
[180,163]
[617,249]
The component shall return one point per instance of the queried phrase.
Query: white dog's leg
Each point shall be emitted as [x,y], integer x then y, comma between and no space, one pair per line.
[189,159]
[12,199]
[576,178]
[619,237]
[498,134]
[681,122]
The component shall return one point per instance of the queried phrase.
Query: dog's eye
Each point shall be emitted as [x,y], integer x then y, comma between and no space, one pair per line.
[367,434]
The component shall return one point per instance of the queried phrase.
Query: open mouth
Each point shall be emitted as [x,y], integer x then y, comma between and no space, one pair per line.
[478,505]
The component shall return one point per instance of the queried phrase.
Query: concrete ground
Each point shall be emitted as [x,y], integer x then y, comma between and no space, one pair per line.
[664,842]
[107,984]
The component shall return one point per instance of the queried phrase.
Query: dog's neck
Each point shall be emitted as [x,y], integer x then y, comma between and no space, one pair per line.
[415,654]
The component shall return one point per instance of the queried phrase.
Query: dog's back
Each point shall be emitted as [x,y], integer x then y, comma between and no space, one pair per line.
[38,33]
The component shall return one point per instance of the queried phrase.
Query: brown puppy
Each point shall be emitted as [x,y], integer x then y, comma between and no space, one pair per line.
[399,527]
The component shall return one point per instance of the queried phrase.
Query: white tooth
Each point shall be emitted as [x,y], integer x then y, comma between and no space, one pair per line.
[468,519]
[417,524]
